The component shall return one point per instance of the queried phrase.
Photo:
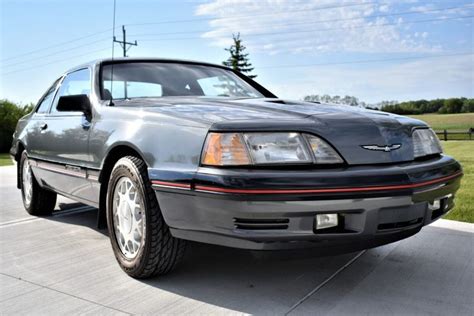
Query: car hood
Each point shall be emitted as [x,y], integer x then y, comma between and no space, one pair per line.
[345,127]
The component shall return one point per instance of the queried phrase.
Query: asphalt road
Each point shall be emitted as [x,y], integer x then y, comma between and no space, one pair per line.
[62,264]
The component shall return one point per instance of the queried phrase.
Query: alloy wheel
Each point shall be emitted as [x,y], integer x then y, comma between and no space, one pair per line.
[128,217]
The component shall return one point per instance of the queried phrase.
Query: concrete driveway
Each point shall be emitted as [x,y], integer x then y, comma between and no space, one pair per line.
[63,264]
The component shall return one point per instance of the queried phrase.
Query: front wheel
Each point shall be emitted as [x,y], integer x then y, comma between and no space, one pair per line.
[36,200]
[141,240]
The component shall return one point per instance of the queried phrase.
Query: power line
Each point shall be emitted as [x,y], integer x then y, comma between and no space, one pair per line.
[322,21]
[291,66]
[262,34]
[366,61]
[56,45]
[56,61]
[234,17]
[320,30]
[177,21]
[55,53]
[258,14]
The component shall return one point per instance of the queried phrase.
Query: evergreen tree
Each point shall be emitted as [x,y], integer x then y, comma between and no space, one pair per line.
[238,59]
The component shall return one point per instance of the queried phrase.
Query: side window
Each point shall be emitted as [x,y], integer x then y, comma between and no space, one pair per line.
[45,102]
[77,82]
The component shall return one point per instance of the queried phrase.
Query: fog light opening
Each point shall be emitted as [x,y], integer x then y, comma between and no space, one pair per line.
[324,221]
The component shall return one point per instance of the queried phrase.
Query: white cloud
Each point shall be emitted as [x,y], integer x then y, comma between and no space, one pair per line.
[384,8]
[422,8]
[302,26]
[428,78]
[444,10]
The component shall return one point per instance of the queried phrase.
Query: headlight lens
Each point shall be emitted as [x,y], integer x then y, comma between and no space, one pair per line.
[425,142]
[268,148]
[231,149]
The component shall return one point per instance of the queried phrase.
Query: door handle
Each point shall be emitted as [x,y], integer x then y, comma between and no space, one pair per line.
[43,126]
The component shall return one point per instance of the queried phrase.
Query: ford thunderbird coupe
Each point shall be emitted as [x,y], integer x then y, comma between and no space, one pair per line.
[172,150]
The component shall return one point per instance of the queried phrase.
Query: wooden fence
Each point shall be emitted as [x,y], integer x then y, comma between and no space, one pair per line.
[455,135]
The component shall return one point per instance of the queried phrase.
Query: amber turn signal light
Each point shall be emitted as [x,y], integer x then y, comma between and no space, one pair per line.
[225,149]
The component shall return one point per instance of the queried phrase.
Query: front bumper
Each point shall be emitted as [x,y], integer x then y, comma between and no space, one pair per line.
[372,210]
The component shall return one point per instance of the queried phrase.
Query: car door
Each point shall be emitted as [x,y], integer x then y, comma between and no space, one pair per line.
[34,131]
[65,142]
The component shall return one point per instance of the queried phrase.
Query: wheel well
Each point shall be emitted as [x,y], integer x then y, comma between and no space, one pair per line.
[112,157]
[19,150]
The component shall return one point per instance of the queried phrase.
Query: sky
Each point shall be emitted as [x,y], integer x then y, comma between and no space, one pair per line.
[374,50]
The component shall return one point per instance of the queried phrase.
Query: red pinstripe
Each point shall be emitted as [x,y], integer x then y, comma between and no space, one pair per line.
[296,191]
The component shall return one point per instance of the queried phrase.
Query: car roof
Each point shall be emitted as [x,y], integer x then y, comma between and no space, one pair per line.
[97,62]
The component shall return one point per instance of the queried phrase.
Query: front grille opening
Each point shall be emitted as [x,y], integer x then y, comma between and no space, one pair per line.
[397,225]
[261,223]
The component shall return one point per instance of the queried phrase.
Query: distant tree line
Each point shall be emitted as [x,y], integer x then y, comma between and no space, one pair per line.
[442,106]
[346,100]
[10,113]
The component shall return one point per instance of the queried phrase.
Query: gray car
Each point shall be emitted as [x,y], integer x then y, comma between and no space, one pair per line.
[171,150]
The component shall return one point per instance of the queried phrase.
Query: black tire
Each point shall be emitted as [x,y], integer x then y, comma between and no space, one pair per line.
[159,252]
[42,201]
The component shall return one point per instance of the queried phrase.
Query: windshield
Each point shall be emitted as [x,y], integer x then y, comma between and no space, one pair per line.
[155,79]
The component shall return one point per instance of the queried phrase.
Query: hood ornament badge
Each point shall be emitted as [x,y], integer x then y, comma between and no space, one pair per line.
[386,148]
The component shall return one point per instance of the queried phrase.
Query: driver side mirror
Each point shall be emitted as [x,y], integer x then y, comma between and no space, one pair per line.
[74,103]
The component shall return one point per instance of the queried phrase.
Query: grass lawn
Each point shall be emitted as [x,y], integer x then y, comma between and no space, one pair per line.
[463,151]
[451,122]
[5,160]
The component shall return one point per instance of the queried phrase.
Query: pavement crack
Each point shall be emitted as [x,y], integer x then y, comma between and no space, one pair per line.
[68,294]
[322,284]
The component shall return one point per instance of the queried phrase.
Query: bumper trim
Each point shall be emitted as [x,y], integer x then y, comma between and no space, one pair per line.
[171,185]
[223,190]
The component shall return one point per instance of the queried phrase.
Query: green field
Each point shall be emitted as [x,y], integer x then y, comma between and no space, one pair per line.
[5,160]
[463,151]
[451,122]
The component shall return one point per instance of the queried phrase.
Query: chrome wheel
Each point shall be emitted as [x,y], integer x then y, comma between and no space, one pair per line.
[128,218]
[27,182]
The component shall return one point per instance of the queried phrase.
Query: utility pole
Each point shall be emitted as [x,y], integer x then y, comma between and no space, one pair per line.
[124,42]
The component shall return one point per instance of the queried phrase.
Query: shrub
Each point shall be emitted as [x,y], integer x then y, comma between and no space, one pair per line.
[10,113]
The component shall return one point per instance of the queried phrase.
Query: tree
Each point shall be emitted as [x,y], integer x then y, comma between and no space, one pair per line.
[238,59]
[452,105]
[10,113]
[468,106]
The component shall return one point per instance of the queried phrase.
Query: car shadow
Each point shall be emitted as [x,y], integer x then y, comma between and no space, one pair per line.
[76,214]
[234,279]
[409,272]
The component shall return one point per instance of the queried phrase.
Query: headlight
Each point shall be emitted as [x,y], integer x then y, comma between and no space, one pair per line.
[425,142]
[232,149]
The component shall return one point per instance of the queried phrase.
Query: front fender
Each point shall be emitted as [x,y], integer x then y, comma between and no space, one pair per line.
[164,142]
